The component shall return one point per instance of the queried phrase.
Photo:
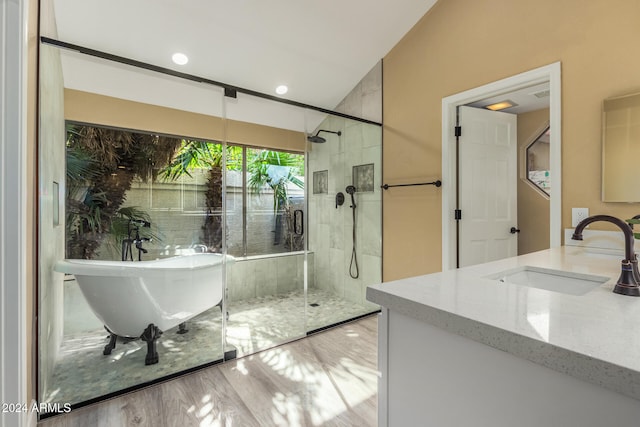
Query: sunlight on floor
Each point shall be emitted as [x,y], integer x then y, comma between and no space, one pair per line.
[82,372]
[327,379]
[326,390]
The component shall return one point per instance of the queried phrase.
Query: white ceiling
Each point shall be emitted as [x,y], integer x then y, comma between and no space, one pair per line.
[321,49]
[527,99]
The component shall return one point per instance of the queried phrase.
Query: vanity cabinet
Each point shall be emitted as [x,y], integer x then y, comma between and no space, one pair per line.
[453,351]
[437,378]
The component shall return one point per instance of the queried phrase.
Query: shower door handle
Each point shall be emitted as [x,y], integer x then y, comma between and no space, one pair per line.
[298,213]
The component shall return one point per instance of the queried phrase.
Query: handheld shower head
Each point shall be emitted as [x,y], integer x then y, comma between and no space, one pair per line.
[351,190]
[318,139]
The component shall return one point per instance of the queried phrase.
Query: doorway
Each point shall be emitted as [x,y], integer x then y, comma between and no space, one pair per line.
[549,74]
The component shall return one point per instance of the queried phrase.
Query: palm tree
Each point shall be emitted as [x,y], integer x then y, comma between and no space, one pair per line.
[205,155]
[277,170]
[101,166]
[266,168]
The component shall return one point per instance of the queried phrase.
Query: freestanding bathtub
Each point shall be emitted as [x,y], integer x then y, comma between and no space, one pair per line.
[144,298]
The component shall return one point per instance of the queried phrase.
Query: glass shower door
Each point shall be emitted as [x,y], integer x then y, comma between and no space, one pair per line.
[345,228]
[140,299]
[265,208]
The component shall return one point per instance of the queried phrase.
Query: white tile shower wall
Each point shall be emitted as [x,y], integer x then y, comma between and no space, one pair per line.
[260,276]
[330,228]
[51,237]
[365,100]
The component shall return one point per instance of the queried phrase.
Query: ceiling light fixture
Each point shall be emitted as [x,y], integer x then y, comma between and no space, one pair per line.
[501,105]
[180,58]
[282,89]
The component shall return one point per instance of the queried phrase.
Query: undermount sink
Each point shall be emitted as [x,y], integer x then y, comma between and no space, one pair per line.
[565,282]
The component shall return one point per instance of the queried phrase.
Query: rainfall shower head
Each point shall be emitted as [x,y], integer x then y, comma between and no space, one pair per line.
[318,139]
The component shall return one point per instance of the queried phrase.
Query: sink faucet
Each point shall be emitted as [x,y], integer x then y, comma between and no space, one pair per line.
[628,281]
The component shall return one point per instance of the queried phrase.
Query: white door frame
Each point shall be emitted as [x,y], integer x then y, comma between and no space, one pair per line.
[549,73]
[13,208]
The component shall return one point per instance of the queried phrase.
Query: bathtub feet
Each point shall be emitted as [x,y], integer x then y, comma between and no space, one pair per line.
[150,335]
[182,328]
[112,343]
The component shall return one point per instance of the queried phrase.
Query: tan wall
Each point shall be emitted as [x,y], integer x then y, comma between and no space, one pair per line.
[91,108]
[533,207]
[462,44]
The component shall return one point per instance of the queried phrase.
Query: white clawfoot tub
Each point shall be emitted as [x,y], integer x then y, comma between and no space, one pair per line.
[144,298]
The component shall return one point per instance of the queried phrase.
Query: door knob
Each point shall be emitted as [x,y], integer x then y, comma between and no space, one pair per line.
[514,230]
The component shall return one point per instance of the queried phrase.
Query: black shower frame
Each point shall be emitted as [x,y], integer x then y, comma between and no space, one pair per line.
[229,90]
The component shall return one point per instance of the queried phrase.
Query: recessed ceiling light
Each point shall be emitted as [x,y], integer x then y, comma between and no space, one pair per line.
[282,89]
[180,58]
[501,105]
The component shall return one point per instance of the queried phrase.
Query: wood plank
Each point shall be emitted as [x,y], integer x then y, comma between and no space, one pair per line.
[328,379]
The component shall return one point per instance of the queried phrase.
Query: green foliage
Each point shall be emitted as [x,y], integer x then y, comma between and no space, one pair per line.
[87,219]
[275,169]
[81,167]
[103,162]
[195,154]
[101,165]
[120,227]
[191,155]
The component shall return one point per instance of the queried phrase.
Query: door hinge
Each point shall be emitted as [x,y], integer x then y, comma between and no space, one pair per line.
[458,130]
[457,214]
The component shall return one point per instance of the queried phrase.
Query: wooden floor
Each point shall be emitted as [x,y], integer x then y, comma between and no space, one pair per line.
[328,379]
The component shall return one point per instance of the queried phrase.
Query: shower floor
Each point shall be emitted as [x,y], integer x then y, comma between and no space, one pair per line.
[263,322]
[83,373]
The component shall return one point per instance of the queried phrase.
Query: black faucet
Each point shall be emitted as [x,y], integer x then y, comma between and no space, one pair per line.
[629,277]
[133,227]
[138,242]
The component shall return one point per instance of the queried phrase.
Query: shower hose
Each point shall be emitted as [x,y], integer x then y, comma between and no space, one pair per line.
[354,271]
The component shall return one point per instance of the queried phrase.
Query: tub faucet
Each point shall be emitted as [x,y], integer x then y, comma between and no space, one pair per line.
[138,242]
[629,277]
[133,228]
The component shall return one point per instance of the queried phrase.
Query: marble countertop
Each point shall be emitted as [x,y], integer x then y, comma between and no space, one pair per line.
[594,337]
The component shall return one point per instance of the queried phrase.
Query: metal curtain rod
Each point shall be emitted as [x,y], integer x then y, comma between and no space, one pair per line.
[437,183]
[231,89]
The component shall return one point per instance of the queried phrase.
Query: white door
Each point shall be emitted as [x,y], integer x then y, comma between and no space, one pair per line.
[487,173]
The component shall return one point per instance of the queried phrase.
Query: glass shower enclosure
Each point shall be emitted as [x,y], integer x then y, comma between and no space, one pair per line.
[149,173]
[345,231]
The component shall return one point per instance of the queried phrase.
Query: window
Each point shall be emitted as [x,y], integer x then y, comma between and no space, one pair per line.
[272,204]
[175,183]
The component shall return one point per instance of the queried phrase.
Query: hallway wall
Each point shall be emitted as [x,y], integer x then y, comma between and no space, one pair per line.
[533,207]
